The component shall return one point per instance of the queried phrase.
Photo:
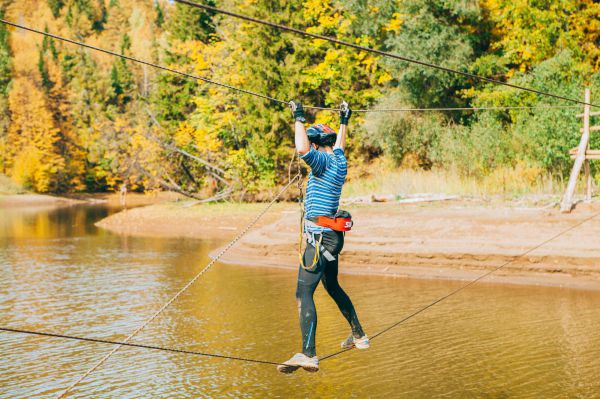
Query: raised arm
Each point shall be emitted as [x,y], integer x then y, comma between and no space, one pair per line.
[345,113]
[340,141]
[300,139]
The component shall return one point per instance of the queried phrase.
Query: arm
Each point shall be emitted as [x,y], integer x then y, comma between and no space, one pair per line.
[300,138]
[345,113]
[340,141]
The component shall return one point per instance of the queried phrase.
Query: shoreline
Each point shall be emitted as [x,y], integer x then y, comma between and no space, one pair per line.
[36,201]
[453,240]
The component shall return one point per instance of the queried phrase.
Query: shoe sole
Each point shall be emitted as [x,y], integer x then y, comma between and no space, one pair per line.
[360,347]
[287,369]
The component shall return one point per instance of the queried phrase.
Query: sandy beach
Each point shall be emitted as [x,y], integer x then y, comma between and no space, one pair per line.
[454,240]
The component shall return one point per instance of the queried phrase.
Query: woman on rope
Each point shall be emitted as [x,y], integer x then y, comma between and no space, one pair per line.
[323,152]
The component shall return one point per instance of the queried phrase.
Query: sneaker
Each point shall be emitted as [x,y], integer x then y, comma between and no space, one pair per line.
[358,343]
[299,360]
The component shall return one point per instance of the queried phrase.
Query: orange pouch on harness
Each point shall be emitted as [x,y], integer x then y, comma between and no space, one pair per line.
[342,221]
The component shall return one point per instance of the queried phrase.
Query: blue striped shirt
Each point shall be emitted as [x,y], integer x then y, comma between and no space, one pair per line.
[325,181]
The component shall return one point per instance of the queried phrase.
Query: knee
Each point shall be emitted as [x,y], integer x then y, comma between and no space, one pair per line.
[304,292]
[332,288]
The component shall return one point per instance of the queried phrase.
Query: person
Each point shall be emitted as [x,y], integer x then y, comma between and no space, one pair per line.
[123,194]
[323,151]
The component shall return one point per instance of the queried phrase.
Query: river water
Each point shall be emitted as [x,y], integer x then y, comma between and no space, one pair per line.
[60,274]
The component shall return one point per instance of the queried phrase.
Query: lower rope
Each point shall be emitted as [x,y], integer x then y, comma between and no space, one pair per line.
[143,346]
[470,283]
[192,281]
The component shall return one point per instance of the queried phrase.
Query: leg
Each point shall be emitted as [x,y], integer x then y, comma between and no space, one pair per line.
[307,283]
[330,281]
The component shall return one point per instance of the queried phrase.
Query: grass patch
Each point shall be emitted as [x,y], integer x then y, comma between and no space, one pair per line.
[504,182]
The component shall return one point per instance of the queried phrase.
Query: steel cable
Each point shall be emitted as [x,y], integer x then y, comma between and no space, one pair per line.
[378,52]
[266,97]
[134,345]
[470,283]
[260,95]
[385,330]
[182,290]
[144,62]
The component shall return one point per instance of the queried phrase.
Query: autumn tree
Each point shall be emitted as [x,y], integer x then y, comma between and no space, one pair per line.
[86,16]
[441,33]
[35,161]
[526,33]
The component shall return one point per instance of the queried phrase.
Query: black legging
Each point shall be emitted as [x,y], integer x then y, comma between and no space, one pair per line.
[308,280]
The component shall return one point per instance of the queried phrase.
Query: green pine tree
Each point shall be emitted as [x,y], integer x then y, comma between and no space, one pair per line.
[160,15]
[5,59]
[56,6]
[191,23]
[122,79]
[439,32]
[5,79]
[173,96]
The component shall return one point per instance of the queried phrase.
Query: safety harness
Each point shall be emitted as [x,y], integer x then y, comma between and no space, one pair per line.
[342,221]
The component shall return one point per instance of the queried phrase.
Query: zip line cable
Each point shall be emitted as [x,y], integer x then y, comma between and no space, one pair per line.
[182,290]
[470,283]
[260,95]
[129,344]
[378,52]
[291,181]
[140,61]
[494,108]
[258,361]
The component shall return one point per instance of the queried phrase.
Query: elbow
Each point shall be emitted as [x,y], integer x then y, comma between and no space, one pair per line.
[302,150]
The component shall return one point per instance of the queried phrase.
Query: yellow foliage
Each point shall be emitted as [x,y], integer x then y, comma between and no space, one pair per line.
[184,134]
[327,118]
[395,23]
[384,78]
[529,34]
[34,157]
[515,179]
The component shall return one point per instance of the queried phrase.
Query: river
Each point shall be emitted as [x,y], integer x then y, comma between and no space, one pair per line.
[60,274]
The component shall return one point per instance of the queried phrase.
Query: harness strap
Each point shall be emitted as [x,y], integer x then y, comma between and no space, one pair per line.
[337,223]
[320,248]
[317,244]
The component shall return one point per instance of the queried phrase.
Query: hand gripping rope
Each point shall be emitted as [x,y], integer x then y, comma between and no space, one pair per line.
[291,181]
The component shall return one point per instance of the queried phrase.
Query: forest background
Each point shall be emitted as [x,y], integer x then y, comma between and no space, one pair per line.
[74,120]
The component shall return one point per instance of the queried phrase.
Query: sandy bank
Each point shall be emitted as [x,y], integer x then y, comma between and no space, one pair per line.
[35,201]
[453,240]
[214,222]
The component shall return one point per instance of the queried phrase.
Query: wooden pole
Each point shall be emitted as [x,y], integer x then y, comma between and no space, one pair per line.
[567,202]
[588,181]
